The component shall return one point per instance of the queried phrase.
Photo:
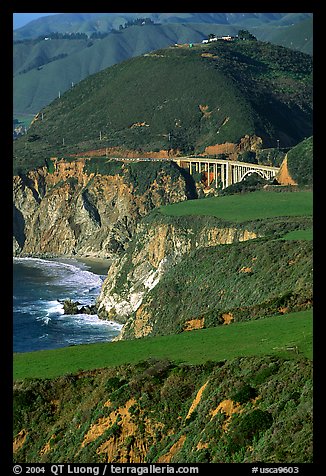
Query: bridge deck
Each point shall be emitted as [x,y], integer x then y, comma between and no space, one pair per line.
[225,162]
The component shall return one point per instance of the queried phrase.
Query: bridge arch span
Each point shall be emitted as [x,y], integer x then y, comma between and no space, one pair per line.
[262,173]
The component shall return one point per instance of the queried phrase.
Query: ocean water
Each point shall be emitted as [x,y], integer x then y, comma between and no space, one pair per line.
[38,319]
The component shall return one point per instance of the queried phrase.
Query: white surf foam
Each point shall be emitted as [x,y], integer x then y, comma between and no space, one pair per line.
[82,320]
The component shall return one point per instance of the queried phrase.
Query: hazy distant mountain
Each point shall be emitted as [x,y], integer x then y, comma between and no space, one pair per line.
[104,22]
[43,68]
[297,36]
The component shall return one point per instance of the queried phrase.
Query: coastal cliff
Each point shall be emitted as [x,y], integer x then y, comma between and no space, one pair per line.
[159,244]
[181,273]
[89,207]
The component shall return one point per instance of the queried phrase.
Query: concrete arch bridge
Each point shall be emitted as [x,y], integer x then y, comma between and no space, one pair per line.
[227,172]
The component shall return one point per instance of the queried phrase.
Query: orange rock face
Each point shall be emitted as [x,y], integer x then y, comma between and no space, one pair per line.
[284,177]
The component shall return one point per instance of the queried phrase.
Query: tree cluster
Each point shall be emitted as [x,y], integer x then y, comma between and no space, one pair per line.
[98,35]
[136,21]
[246,35]
[54,36]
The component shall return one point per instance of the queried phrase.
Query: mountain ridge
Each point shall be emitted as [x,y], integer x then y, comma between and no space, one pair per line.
[89,22]
[34,86]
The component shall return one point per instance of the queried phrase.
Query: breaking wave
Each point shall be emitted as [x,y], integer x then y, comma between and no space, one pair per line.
[39,319]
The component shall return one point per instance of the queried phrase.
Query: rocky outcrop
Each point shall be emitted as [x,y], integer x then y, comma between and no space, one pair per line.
[156,246]
[68,210]
[232,150]
[73,307]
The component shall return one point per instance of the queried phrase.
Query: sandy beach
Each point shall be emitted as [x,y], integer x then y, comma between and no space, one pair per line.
[96,265]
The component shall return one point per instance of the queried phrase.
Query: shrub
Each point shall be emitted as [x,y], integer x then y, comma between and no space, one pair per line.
[101,165]
[246,428]
[248,156]
[263,374]
[253,423]
[142,174]
[50,166]
[114,383]
[244,394]
[250,183]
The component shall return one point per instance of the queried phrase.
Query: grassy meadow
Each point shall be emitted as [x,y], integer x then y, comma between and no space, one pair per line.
[287,335]
[244,207]
[306,235]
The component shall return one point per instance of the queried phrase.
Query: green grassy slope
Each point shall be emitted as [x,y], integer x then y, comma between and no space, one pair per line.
[244,207]
[306,234]
[31,55]
[278,335]
[236,83]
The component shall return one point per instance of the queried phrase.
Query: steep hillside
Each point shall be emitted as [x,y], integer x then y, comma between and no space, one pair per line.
[247,409]
[225,284]
[156,247]
[297,166]
[300,162]
[231,90]
[43,68]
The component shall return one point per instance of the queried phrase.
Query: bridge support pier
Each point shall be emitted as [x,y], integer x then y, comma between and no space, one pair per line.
[229,171]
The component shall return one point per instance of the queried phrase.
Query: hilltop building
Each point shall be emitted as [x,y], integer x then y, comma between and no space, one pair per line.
[223,38]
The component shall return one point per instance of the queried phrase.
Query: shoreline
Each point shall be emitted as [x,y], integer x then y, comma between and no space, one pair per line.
[97,265]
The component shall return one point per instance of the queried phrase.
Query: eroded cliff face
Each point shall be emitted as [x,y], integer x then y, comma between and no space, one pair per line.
[71,211]
[283,177]
[156,246]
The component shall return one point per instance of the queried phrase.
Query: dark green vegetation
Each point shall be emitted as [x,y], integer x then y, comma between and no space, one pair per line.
[273,156]
[244,87]
[245,207]
[300,162]
[246,409]
[251,183]
[140,175]
[231,282]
